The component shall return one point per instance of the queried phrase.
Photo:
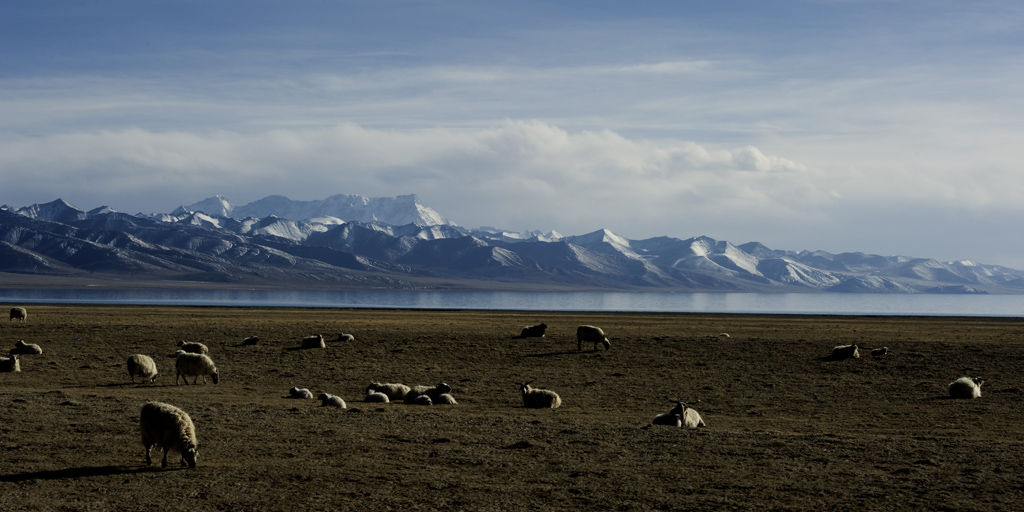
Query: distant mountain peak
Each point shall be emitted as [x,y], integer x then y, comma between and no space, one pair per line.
[57,210]
[397,211]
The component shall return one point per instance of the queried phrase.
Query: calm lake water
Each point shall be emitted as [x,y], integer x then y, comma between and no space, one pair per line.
[781,303]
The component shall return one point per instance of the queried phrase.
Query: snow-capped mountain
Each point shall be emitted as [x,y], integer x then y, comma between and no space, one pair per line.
[344,241]
[349,208]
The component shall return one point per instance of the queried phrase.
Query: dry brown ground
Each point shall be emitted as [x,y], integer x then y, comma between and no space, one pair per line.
[786,429]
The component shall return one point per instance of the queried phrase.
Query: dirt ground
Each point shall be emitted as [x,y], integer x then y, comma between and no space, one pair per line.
[786,430]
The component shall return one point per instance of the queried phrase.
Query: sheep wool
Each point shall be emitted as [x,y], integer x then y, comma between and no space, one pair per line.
[171,429]
[377,396]
[327,400]
[534,398]
[197,365]
[143,366]
[20,314]
[393,390]
[591,334]
[314,341]
[298,392]
[20,347]
[966,387]
[193,347]
[845,352]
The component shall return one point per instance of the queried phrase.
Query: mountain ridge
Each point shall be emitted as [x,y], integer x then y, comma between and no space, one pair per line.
[331,246]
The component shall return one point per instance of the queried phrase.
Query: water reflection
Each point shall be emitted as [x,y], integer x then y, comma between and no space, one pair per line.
[807,303]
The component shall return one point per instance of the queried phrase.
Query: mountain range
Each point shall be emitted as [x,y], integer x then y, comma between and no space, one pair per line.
[352,241]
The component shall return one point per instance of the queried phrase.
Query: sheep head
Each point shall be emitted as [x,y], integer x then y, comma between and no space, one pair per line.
[190,456]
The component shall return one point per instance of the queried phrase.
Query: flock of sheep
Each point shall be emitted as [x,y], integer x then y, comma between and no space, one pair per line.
[172,430]
[964,387]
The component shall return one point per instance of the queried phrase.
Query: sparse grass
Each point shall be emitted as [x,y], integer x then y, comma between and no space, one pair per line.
[786,430]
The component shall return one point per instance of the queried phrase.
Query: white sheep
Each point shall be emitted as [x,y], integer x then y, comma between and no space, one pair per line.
[589,333]
[844,352]
[171,429]
[434,392]
[680,416]
[19,314]
[10,364]
[421,400]
[177,353]
[143,366]
[394,391]
[377,396]
[314,341]
[198,365]
[193,347]
[20,347]
[298,392]
[966,387]
[327,400]
[344,337]
[534,398]
[445,399]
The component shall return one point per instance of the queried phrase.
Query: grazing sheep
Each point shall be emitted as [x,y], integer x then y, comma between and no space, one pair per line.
[19,314]
[377,396]
[966,387]
[298,392]
[10,364]
[534,331]
[534,398]
[421,400]
[880,351]
[331,401]
[433,392]
[344,337]
[844,352]
[177,353]
[251,340]
[193,347]
[26,348]
[198,365]
[589,333]
[314,341]
[143,366]
[169,428]
[394,391]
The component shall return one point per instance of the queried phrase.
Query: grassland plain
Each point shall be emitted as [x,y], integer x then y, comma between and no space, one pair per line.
[786,430]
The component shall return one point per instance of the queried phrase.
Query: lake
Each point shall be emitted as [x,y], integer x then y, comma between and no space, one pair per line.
[769,303]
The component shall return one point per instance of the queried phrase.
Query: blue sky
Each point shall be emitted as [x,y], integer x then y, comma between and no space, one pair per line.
[874,126]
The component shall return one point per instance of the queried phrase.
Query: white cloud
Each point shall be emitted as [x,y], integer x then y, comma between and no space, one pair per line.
[497,168]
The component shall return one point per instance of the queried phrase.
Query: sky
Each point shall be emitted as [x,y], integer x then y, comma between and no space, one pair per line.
[884,127]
